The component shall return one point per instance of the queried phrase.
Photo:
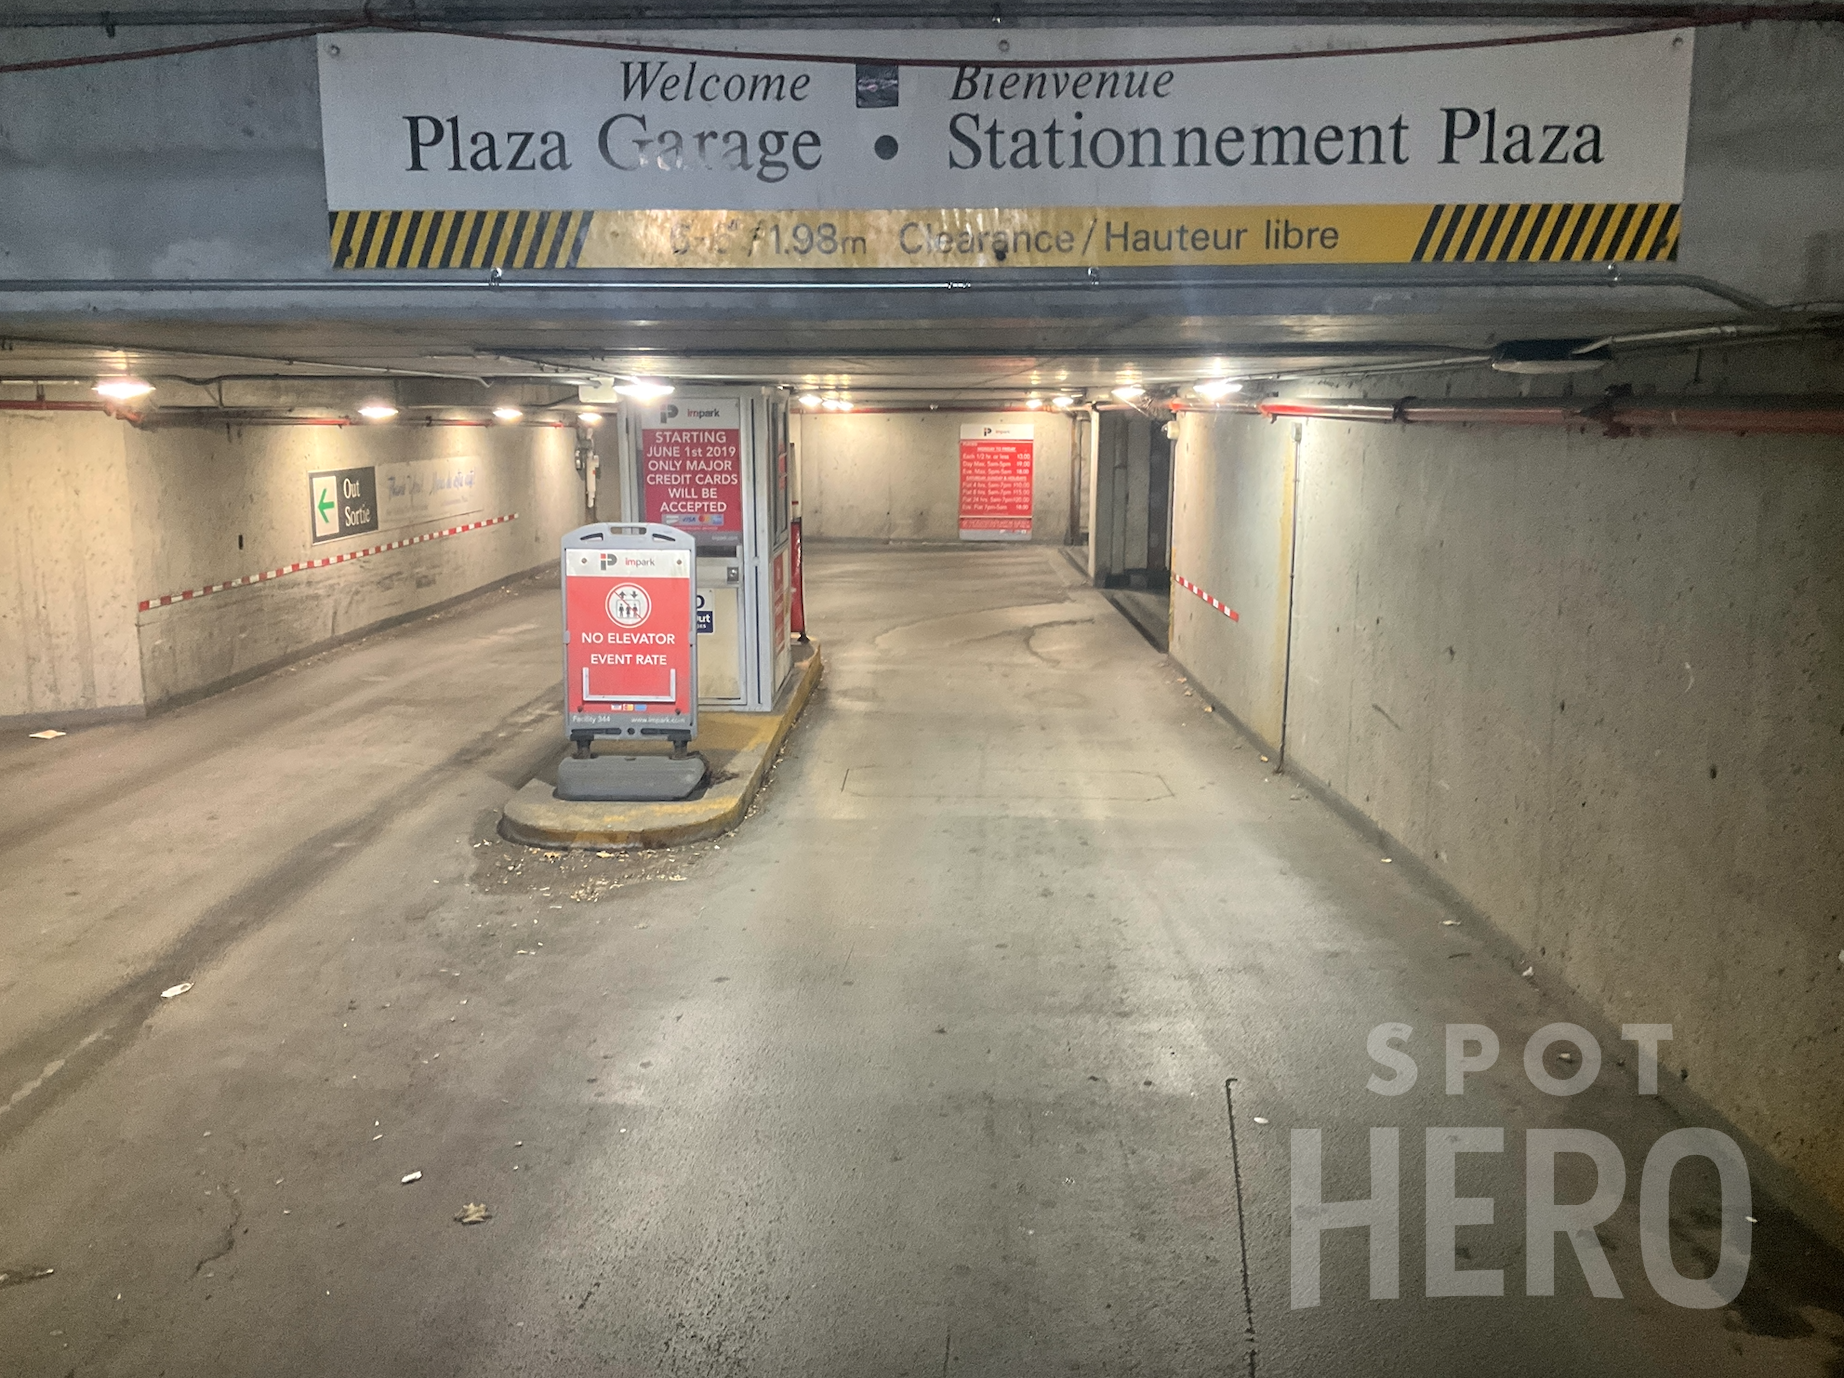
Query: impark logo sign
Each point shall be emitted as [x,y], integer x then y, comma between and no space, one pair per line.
[1474,1048]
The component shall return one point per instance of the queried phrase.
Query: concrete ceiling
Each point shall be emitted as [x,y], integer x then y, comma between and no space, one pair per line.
[890,345]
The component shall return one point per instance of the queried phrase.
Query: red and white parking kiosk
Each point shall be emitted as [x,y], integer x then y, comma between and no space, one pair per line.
[716,465]
[630,660]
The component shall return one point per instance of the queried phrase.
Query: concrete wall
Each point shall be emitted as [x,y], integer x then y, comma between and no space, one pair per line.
[99,517]
[1083,484]
[200,488]
[895,476]
[1594,684]
[67,637]
[1232,524]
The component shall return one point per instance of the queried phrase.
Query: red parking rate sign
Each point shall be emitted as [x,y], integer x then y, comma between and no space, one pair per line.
[691,466]
[628,619]
[995,481]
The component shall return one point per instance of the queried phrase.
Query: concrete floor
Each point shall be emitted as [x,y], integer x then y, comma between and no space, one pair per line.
[919,1072]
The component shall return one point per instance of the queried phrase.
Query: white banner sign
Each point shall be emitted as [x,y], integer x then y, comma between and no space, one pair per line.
[422,490]
[985,158]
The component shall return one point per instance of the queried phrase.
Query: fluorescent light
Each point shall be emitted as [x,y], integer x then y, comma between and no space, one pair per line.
[1128,392]
[836,404]
[377,411]
[507,413]
[1062,401]
[1216,389]
[123,389]
[1034,402]
[589,418]
[644,390]
[810,400]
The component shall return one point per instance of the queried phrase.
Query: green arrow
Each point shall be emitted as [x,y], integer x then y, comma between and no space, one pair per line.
[325,504]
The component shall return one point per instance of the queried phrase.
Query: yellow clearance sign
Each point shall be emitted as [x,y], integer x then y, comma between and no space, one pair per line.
[1056,237]
[961,150]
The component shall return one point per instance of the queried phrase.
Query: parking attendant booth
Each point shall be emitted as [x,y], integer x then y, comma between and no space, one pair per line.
[715,463]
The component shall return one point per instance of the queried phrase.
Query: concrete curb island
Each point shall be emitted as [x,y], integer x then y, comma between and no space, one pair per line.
[739,748]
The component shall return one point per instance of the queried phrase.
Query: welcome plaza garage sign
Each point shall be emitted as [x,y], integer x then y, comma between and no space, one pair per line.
[1057,148]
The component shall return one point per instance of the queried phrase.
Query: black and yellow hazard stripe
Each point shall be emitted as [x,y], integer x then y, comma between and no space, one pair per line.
[458,239]
[1473,232]
[1553,232]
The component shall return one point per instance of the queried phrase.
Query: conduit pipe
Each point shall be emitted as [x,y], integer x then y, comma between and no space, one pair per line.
[1798,414]
[1430,277]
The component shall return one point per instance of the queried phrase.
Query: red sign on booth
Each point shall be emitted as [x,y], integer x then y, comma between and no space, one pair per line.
[995,482]
[628,617]
[691,466]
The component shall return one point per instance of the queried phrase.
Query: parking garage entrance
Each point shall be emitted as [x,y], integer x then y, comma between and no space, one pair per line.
[1331,983]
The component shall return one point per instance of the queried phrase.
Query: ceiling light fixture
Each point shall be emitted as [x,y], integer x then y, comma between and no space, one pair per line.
[123,389]
[589,418]
[377,411]
[1216,389]
[810,400]
[837,404]
[1034,402]
[644,390]
[1129,392]
[507,413]
[1062,402]
[1551,356]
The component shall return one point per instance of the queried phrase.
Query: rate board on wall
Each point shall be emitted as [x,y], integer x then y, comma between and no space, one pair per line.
[959,149]
[996,464]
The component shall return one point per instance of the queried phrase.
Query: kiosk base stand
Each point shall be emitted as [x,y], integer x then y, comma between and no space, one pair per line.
[629,779]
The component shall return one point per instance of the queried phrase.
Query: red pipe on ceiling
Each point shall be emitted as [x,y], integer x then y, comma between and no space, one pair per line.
[196,415]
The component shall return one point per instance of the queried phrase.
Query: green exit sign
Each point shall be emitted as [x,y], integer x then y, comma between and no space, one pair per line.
[344,502]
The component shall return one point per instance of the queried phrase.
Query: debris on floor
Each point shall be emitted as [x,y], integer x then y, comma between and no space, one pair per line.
[474,1213]
[49,734]
[410,1177]
[583,877]
[14,1275]
[172,991]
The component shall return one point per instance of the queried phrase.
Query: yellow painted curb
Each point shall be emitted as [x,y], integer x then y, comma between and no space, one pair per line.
[740,748]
